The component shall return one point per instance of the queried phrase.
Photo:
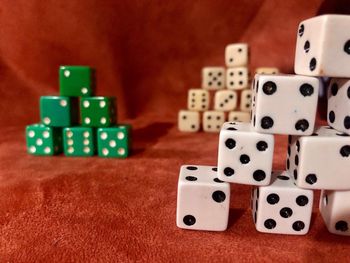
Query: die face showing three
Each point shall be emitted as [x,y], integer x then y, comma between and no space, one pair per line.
[97,111]
[339,105]
[43,140]
[79,141]
[284,104]
[236,55]
[245,157]
[282,208]
[198,100]
[225,100]
[213,78]
[323,46]
[188,121]
[213,120]
[114,141]
[203,201]
[321,161]
[76,81]
[237,78]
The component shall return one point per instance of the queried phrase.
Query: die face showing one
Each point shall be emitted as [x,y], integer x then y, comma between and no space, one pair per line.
[97,111]
[114,141]
[78,141]
[236,55]
[188,121]
[335,211]
[339,105]
[198,100]
[43,140]
[284,104]
[320,161]
[267,70]
[245,157]
[246,100]
[237,78]
[213,78]
[76,81]
[203,201]
[213,120]
[237,116]
[225,100]
[58,111]
[323,46]
[282,208]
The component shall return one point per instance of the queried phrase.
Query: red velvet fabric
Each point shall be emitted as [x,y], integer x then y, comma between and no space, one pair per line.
[148,54]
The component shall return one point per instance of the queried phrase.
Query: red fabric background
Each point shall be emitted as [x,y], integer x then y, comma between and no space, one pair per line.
[147,53]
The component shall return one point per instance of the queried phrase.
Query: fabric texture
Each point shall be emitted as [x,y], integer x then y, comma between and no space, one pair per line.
[147,54]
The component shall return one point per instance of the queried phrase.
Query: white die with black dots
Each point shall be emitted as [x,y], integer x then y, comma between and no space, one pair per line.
[213,78]
[236,55]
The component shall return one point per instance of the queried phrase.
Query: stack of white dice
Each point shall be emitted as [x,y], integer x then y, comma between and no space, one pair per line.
[317,157]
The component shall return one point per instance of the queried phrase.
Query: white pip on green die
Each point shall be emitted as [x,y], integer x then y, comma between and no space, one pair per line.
[114,141]
[79,141]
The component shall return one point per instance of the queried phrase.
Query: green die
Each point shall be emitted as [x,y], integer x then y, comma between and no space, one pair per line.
[76,81]
[43,140]
[97,111]
[78,141]
[58,111]
[114,141]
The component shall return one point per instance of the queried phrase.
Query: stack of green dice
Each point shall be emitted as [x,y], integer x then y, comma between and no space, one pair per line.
[76,122]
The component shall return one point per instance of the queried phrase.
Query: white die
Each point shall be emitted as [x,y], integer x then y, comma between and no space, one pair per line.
[234,116]
[335,210]
[320,161]
[282,208]
[246,100]
[188,121]
[323,46]
[245,157]
[213,120]
[225,100]
[203,201]
[267,70]
[237,78]
[198,99]
[213,78]
[284,104]
[339,105]
[236,55]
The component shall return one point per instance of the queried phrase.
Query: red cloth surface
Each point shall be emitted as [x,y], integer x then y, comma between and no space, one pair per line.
[148,54]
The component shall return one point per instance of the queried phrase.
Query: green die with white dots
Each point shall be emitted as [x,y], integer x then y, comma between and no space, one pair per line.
[76,81]
[58,111]
[97,111]
[114,141]
[43,140]
[79,141]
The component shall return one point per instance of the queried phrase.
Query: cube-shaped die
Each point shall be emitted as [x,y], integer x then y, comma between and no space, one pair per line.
[320,161]
[213,120]
[114,141]
[237,78]
[198,100]
[213,78]
[246,100]
[339,105]
[203,201]
[236,55]
[225,100]
[79,141]
[43,140]
[238,116]
[282,208]
[58,111]
[245,157]
[267,70]
[323,46]
[284,104]
[76,81]
[335,210]
[188,121]
[97,111]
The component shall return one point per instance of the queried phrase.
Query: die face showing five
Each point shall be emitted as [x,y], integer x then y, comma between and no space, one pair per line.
[335,211]
[267,70]
[225,100]
[114,141]
[284,104]
[213,78]
[198,100]
[76,81]
[339,105]
[321,161]
[97,111]
[245,157]
[203,201]
[43,140]
[236,55]
[282,208]
[323,46]
[237,116]
[213,120]
[237,78]
[188,121]
[246,100]
[78,141]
